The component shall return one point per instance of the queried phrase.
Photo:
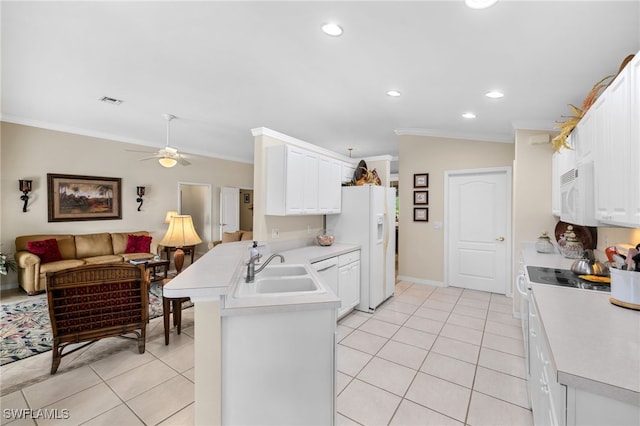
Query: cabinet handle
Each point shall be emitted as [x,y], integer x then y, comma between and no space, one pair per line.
[533,333]
[500,239]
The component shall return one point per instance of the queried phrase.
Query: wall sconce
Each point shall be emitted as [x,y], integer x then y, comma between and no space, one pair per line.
[140,192]
[25,188]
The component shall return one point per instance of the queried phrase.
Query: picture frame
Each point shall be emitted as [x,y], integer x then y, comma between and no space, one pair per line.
[421,214]
[247,198]
[421,180]
[420,197]
[77,197]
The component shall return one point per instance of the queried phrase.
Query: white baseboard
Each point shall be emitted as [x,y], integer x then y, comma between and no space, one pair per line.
[420,281]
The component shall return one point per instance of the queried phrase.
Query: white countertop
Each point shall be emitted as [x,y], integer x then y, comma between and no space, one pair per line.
[217,272]
[595,344]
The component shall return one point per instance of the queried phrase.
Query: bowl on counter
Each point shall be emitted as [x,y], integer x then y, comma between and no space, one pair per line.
[324,239]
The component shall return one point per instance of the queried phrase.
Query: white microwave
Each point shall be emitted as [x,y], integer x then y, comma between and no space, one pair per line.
[577,194]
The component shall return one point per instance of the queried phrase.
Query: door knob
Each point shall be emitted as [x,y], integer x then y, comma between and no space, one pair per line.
[500,239]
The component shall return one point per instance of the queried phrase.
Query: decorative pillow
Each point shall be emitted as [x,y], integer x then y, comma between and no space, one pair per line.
[46,250]
[229,237]
[246,236]
[138,244]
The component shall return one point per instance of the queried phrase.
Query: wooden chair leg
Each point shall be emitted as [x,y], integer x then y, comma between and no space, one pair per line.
[166,307]
[55,362]
[177,314]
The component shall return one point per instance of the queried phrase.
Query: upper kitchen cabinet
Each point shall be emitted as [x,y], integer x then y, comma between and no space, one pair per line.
[300,182]
[615,130]
[329,178]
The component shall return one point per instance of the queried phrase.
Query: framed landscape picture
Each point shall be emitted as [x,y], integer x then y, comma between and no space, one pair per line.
[73,198]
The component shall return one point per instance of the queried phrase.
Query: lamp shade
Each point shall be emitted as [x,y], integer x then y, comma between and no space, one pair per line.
[181,233]
[169,215]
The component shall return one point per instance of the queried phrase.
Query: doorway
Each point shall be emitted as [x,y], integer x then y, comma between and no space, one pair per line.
[194,199]
[236,209]
[478,229]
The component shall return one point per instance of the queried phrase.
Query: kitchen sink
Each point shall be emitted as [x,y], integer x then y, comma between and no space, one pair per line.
[281,270]
[279,280]
[285,285]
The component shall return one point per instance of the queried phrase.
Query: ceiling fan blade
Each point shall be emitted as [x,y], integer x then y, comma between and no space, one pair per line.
[136,150]
[182,161]
[150,158]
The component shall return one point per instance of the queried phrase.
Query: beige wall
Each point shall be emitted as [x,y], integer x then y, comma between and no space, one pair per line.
[30,152]
[421,246]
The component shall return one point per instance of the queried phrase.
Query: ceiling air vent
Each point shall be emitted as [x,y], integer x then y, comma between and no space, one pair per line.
[109,100]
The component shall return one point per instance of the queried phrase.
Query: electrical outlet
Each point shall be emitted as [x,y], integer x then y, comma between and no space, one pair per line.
[437,225]
[275,233]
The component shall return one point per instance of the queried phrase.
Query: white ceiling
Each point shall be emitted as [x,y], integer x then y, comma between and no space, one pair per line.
[224,68]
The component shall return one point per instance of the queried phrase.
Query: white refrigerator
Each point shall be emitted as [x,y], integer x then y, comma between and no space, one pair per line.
[368,218]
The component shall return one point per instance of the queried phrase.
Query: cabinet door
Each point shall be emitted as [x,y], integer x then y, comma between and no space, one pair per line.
[295,171]
[329,185]
[634,173]
[349,287]
[309,181]
[612,163]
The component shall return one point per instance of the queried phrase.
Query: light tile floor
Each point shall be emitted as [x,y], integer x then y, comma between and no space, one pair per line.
[427,356]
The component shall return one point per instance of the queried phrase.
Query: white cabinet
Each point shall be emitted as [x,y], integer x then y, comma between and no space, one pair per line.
[346,281]
[348,169]
[547,396]
[300,182]
[616,154]
[278,367]
[349,281]
[329,178]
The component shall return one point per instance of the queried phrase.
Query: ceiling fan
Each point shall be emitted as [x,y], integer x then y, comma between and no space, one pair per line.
[167,156]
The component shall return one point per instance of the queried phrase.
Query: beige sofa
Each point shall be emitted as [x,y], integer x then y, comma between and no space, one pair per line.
[230,237]
[75,250]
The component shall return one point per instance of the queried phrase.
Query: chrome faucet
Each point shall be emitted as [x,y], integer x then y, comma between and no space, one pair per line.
[251,266]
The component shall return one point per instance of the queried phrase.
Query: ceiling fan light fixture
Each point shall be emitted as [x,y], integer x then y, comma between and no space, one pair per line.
[167,162]
[480,4]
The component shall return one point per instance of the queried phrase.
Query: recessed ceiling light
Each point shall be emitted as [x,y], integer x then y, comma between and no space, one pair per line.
[494,94]
[479,4]
[334,30]
[469,115]
[393,93]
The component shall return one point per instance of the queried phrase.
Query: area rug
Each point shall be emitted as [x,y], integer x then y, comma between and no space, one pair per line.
[26,330]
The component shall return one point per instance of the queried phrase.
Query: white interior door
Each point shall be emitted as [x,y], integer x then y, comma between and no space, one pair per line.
[229,209]
[478,228]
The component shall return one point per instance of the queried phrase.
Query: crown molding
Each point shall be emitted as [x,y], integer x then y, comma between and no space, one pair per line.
[108,137]
[488,137]
[265,131]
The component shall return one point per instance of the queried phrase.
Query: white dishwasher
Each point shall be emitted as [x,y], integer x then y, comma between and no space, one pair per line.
[328,271]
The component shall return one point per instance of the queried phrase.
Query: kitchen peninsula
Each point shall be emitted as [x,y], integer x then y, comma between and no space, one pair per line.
[276,324]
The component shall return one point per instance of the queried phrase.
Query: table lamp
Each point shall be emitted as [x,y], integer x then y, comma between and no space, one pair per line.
[181,233]
[169,215]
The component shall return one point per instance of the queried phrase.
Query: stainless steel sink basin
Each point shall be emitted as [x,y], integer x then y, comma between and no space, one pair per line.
[285,285]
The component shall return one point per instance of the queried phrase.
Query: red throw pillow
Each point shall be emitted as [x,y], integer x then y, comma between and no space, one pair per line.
[138,244]
[46,250]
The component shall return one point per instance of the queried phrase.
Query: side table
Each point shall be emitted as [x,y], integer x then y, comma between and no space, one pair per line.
[155,274]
